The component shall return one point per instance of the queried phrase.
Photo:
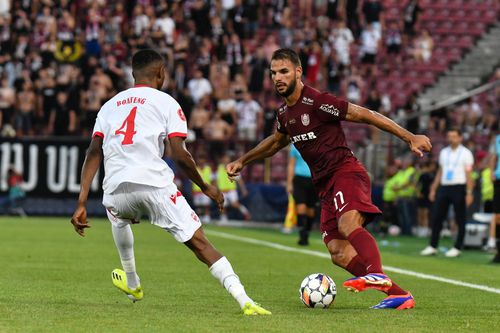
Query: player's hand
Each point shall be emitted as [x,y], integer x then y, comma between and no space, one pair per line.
[419,144]
[289,188]
[469,199]
[216,195]
[79,220]
[432,195]
[233,170]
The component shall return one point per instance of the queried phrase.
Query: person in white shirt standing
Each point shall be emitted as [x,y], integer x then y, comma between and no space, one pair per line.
[130,135]
[249,118]
[199,86]
[453,185]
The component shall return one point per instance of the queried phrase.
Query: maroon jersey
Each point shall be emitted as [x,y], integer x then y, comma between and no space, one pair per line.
[313,124]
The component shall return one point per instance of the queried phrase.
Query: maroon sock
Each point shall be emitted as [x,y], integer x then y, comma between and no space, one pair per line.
[366,247]
[396,290]
[356,266]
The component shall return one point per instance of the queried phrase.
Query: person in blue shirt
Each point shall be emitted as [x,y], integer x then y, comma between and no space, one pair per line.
[299,184]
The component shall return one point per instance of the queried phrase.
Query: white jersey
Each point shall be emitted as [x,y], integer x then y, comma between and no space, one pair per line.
[455,164]
[134,125]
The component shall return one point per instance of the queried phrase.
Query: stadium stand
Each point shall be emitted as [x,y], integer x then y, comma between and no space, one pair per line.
[73,63]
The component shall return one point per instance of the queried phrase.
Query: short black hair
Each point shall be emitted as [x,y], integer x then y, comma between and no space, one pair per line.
[143,59]
[456,130]
[287,54]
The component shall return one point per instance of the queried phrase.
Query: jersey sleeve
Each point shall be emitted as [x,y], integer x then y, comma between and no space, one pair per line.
[279,126]
[331,108]
[98,126]
[468,161]
[441,161]
[176,124]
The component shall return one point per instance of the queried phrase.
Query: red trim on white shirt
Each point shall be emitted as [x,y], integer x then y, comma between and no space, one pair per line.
[141,86]
[182,135]
[98,134]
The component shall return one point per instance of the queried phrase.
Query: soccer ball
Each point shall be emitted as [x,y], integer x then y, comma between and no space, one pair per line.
[317,291]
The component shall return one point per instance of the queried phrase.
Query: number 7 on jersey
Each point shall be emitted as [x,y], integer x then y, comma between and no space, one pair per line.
[128,128]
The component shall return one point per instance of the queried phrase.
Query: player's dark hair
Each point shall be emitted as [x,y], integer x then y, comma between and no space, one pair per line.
[143,59]
[287,54]
[456,130]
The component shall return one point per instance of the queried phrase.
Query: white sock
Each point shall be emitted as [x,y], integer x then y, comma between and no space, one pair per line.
[124,240]
[223,271]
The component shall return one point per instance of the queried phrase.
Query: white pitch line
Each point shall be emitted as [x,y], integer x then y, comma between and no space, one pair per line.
[325,255]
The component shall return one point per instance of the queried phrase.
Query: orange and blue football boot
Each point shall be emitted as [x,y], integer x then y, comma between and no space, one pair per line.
[375,281]
[398,302]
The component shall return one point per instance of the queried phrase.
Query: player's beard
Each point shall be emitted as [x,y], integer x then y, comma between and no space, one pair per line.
[289,90]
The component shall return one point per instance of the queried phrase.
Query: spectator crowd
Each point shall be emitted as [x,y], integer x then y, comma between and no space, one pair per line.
[57,66]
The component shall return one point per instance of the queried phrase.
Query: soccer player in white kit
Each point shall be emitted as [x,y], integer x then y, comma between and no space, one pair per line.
[130,134]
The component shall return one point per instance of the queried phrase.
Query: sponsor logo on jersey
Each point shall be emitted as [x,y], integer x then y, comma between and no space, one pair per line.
[303,137]
[291,121]
[281,110]
[330,109]
[342,208]
[323,236]
[307,101]
[181,115]
[305,119]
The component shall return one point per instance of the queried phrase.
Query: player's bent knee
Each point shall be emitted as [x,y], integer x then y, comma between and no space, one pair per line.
[341,256]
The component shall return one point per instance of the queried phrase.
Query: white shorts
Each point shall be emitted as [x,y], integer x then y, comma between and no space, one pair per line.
[200,199]
[166,208]
[230,197]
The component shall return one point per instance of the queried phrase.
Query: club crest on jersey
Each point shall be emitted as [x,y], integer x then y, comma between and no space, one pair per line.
[305,119]
[307,101]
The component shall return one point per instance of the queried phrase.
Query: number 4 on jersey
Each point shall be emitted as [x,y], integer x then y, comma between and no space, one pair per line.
[128,128]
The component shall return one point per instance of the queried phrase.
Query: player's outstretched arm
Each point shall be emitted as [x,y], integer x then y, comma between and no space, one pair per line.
[91,164]
[417,143]
[186,162]
[267,147]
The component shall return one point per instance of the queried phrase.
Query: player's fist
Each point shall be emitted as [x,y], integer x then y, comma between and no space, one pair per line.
[233,170]
[419,143]
[215,194]
[79,220]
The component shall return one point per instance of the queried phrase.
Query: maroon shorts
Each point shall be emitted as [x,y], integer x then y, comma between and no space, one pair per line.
[348,190]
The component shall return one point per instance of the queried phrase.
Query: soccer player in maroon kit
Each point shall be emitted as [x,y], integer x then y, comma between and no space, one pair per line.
[311,121]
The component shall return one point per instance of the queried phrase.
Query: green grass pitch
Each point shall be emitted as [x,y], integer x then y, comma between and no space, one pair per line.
[52,280]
